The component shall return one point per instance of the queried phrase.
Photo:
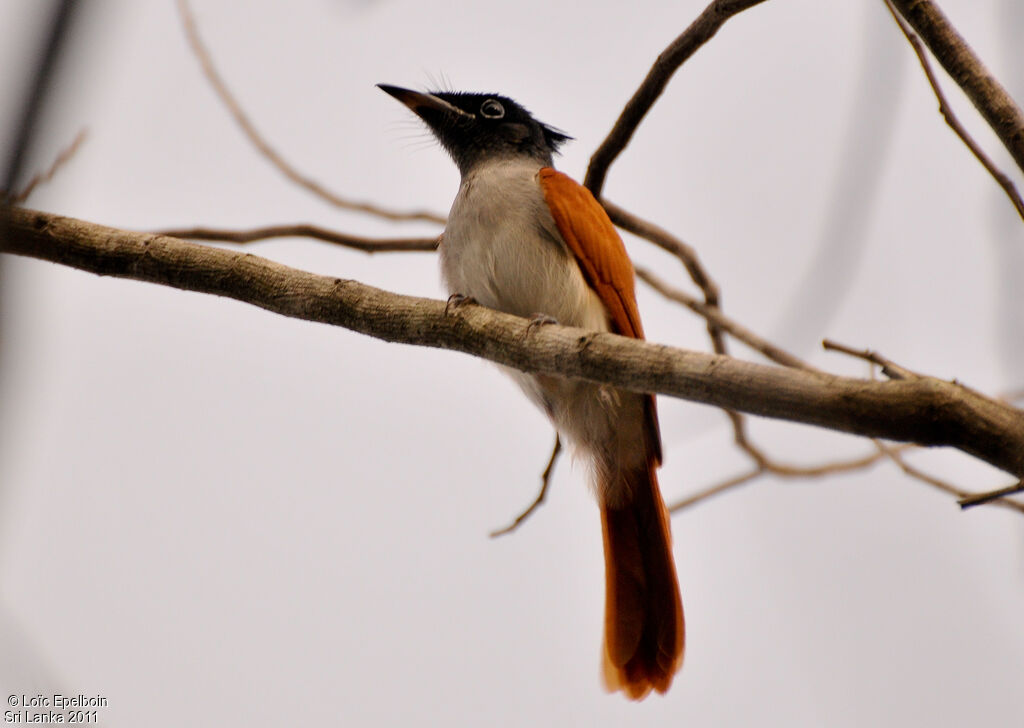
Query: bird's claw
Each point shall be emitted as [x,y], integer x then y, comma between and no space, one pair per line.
[536,321]
[455,301]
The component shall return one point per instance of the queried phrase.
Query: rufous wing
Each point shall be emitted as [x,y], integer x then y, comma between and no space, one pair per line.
[590,235]
[592,238]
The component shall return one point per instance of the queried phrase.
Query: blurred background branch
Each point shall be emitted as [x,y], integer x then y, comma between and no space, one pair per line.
[312,186]
[24,665]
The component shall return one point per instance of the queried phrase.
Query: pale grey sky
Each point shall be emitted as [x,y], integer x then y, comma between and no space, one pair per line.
[214,516]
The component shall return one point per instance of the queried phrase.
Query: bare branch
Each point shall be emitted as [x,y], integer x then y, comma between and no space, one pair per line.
[954,123]
[43,177]
[717,489]
[669,243]
[264,148]
[928,411]
[893,452]
[700,32]
[938,483]
[714,316]
[785,470]
[980,498]
[367,245]
[889,368]
[685,253]
[544,480]
[964,67]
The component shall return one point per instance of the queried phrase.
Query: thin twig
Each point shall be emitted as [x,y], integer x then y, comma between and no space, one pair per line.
[947,113]
[697,34]
[544,480]
[785,470]
[980,498]
[938,483]
[717,489]
[842,466]
[264,148]
[686,255]
[367,245]
[883,450]
[45,176]
[668,242]
[890,368]
[714,315]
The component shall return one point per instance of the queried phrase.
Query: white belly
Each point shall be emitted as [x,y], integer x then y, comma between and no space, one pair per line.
[501,247]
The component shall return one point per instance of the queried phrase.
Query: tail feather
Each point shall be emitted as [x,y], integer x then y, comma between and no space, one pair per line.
[644,629]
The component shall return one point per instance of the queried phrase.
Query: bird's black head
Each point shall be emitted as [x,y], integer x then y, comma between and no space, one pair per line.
[475,128]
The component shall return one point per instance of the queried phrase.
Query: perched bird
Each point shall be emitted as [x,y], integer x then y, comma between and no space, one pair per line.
[527,240]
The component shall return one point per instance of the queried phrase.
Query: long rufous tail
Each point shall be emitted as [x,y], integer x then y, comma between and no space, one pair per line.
[643,623]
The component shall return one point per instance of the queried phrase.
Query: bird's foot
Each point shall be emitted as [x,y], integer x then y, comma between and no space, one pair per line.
[455,301]
[536,321]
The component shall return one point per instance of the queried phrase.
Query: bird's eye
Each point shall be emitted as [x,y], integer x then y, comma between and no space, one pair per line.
[492,109]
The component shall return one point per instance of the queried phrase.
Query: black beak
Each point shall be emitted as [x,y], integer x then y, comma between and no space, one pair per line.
[420,102]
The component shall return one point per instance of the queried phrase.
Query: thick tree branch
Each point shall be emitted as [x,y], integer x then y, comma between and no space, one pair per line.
[926,410]
[985,92]
[697,34]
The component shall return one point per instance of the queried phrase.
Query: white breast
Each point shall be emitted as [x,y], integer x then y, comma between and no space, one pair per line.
[502,248]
